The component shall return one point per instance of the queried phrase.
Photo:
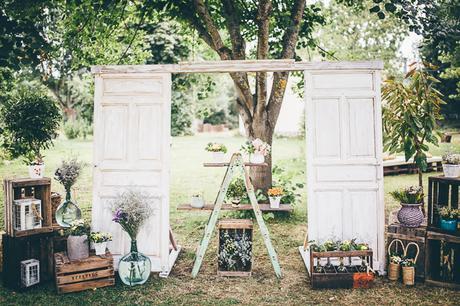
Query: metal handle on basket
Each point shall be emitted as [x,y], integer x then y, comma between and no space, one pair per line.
[416,254]
[402,245]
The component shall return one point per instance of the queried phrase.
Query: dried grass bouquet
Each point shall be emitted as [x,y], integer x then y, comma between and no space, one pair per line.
[131,209]
[68,172]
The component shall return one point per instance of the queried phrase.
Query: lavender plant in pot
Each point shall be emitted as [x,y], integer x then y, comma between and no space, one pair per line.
[451,165]
[77,241]
[411,199]
[131,210]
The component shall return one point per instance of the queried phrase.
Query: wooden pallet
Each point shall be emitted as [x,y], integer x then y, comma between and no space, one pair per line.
[400,166]
[263,207]
[90,273]
[442,260]
[406,235]
[42,191]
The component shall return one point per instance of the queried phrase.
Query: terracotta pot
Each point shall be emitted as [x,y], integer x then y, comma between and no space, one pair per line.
[410,215]
[77,247]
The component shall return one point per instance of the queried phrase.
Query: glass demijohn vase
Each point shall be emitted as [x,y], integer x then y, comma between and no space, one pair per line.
[134,268]
[68,211]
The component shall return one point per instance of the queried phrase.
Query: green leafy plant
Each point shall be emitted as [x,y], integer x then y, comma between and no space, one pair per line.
[396,259]
[71,129]
[286,181]
[408,195]
[410,114]
[79,227]
[407,262]
[236,190]
[98,237]
[29,121]
[216,147]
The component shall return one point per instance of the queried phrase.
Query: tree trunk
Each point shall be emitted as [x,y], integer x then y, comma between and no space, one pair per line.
[262,176]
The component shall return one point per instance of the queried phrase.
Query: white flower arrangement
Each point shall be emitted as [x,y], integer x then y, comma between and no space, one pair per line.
[256,146]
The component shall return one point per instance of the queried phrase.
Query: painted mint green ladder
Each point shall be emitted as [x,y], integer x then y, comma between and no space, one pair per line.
[236,165]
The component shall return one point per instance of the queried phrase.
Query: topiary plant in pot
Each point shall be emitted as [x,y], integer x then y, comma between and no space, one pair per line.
[29,122]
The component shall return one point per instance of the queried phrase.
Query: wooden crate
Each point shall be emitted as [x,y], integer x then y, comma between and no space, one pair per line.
[235,229]
[41,188]
[442,260]
[406,235]
[17,249]
[442,191]
[92,272]
[332,278]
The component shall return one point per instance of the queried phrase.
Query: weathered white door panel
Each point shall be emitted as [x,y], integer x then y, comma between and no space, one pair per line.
[131,151]
[344,159]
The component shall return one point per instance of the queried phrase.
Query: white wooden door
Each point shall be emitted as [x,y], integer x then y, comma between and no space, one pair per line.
[131,150]
[344,157]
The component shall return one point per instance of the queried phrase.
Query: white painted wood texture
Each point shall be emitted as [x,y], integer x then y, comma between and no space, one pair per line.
[237,66]
[344,157]
[131,151]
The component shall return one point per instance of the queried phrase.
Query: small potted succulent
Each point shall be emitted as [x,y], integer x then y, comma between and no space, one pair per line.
[411,199]
[256,150]
[274,195]
[218,151]
[236,191]
[451,165]
[99,240]
[449,218]
[77,241]
[197,200]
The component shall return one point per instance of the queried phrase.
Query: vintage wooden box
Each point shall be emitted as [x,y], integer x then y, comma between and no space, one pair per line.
[442,191]
[442,260]
[235,247]
[406,235]
[92,272]
[17,249]
[39,189]
[326,274]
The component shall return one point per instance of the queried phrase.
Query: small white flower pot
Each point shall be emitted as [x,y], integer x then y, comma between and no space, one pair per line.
[197,202]
[257,158]
[451,170]
[100,247]
[218,157]
[36,171]
[275,202]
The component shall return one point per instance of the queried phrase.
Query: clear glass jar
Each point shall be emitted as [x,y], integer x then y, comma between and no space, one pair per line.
[68,211]
[134,268]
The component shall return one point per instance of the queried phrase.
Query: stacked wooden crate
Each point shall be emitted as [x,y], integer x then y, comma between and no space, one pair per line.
[36,243]
[442,247]
[89,273]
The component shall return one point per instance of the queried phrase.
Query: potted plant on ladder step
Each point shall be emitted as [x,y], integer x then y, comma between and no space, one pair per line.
[131,210]
[451,165]
[274,196]
[256,150]
[236,191]
[218,151]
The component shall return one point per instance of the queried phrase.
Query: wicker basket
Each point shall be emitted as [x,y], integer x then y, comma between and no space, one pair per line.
[394,270]
[409,272]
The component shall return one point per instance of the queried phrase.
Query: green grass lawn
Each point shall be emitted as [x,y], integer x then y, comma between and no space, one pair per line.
[189,176]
